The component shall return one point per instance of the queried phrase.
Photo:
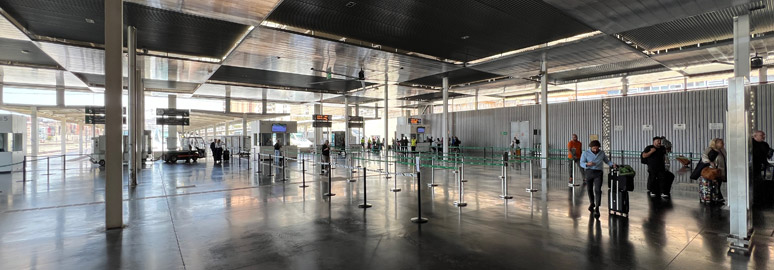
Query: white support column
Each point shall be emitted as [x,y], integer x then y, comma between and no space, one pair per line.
[347,131]
[228,98]
[445,119]
[80,139]
[140,117]
[131,108]
[113,88]
[386,116]
[172,138]
[318,133]
[738,139]
[63,136]
[763,75]
[2,79]
[226,126]
[244,134]
[476,104]
[624,86]
[544,113]
[34,139]
[264,104]
[60,88]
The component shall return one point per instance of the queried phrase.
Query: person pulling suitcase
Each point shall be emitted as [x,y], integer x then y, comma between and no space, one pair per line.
[591,160]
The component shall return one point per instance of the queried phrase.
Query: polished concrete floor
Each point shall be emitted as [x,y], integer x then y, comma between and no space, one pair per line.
[205,216]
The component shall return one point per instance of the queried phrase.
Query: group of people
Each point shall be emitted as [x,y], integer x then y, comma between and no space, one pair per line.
[660,179]
[216,147]
[373,143]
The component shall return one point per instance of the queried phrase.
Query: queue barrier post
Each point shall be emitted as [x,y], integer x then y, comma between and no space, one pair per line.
[461,201]
[504,178]
[418,219]
[365,192]
[330,183]
[303,174]
[531,179]
[432,173]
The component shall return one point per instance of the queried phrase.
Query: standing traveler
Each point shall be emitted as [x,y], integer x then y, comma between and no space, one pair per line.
[760,154]
[218,152]
[277,151]
[413,144]
[659,179]
[212,148]
[326,157]
[715,155]
[574,150]
[362,141]
[592,160]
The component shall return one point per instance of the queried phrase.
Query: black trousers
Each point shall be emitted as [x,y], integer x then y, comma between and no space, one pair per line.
[573,162]
[660,181]
[594,186]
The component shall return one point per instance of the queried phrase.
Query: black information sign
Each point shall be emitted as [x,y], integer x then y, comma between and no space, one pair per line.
[172,112]
[173,121]
[356,119]
[322,124]
[356,125]
[321,117]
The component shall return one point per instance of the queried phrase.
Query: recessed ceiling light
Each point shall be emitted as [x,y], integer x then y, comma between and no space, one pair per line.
[350,4]
[89,20]
[25,51]
[465,37]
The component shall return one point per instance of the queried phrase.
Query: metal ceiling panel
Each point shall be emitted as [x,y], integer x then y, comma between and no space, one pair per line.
[78,59]
[615,16]
[593,51]
[431,96]
[281,51]
[456,77]
[9,31]
[708,27]
[91,61]
[160,68]
[249,12]
[353,100]
[457,30]
[239,75]
[720,52]
[158,29]
[209,89]
[27,75]
[618,68]
[21,52]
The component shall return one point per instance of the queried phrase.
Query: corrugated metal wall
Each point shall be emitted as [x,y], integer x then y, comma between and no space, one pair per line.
[583,118]
[695,109]
[765,109]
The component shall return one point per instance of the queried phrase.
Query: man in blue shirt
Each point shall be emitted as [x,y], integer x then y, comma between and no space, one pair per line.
[592,160]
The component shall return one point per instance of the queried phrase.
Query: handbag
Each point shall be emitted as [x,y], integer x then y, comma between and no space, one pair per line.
[710,173]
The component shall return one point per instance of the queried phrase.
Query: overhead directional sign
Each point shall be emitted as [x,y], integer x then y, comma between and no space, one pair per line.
[356,119]
[173,121]
[322,117]
[98,119]
[415,121]
[355,125]
[94,110]
[173,112]
[322,124]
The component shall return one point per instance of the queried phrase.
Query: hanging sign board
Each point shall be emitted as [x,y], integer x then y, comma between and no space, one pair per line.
[715,126]
[355,125]
[647,127]
[415,121]
[98,119]
[173,121]
[173,112]
[356,119]
[321,117]
[678,126]
[94,110]
[322,124]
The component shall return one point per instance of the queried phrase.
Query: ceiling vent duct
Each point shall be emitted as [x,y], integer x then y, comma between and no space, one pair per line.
[756,62]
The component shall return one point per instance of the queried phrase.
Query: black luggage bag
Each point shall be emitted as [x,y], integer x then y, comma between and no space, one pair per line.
[226,155]
[617,195]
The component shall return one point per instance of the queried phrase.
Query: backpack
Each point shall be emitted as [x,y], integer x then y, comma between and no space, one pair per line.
[643,159]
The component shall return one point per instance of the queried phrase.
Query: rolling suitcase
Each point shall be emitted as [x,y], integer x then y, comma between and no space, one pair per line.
[226,155]
[707,190]
[617,194]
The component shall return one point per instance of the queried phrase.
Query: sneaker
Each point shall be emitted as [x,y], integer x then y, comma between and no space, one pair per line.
[591,207]
[652,195]
[665,196]
[596,213]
